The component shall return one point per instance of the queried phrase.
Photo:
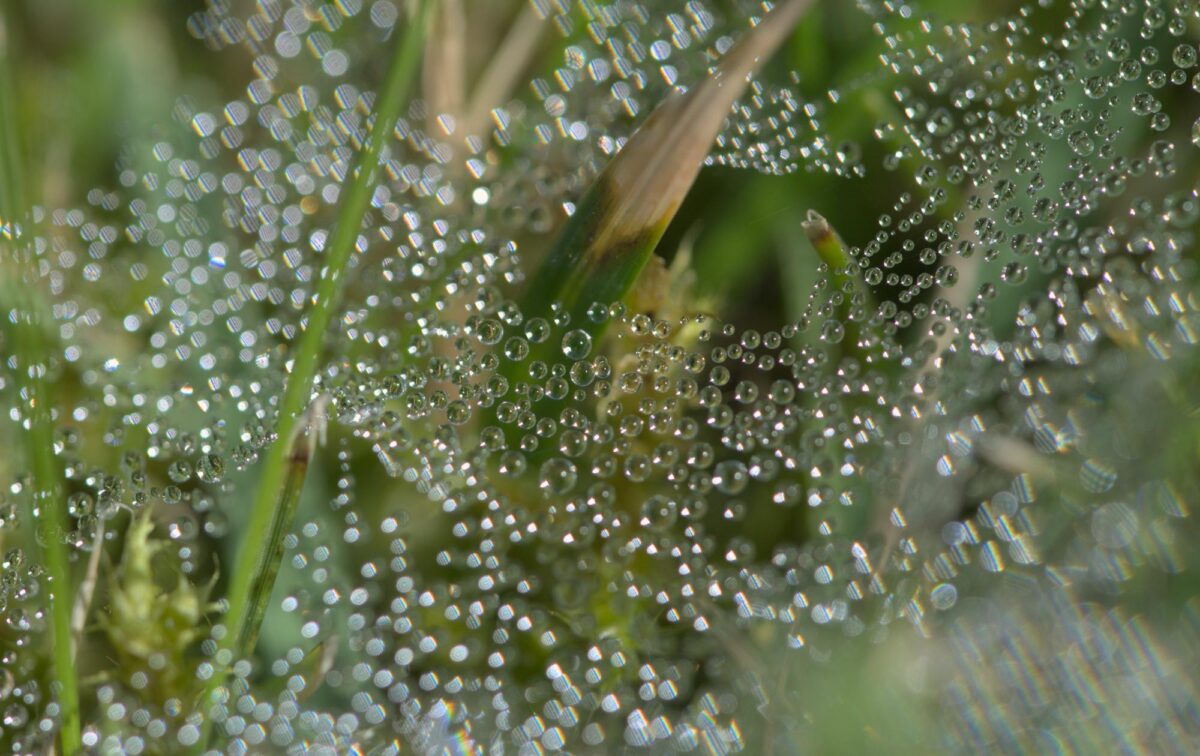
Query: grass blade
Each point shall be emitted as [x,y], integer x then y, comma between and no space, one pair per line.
[253,576]
[604,246]
[87,591]
[48,500]
[828,244]
[845,282]
[503,71]
[300,451]
[269,514]
[616,227]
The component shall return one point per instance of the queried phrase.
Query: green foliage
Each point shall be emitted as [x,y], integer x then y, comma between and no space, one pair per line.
[153,628]
[47,505]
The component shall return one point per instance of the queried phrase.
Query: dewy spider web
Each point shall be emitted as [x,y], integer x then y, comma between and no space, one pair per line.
[690,534]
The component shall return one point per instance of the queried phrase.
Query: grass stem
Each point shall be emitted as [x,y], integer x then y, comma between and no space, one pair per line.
[87,591]
[48,502]
[299,453]
[278,492]
[828,244]
[503,72]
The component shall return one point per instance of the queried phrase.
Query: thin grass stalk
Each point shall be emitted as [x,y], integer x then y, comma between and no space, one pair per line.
[86,591]
[444,70]
[47,503]
[503,71]
[300,450]
[275,500]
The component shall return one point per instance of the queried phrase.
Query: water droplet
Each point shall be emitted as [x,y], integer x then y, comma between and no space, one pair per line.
[832,331]
[577,344]
[1184,55]
[943,596]
[557,476]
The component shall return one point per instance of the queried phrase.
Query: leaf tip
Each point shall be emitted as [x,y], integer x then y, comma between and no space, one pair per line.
[816,228]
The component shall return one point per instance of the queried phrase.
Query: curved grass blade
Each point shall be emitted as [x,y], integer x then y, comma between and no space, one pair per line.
[620,221]
[48,502]
[269,512]
[278,493]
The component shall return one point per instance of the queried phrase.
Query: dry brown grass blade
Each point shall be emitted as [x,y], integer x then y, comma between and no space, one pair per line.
[614,231]
[444,72]
[503,72]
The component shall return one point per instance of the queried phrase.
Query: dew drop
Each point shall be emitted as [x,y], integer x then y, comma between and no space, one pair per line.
[576,344]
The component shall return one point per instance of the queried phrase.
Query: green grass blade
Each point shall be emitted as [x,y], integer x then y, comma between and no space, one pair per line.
[48,500]
[275,501]
[300,451]
[613,232]
[844,282]
[844,274]
[828,244]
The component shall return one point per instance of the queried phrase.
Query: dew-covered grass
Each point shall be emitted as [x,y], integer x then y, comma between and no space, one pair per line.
[374,384]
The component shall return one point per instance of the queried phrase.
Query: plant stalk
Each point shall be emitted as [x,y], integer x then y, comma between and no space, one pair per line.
[299,453]
[47,502]
[503,72]
[278,492]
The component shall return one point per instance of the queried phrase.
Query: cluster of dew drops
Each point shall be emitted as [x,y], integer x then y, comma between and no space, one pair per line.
[526,534]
